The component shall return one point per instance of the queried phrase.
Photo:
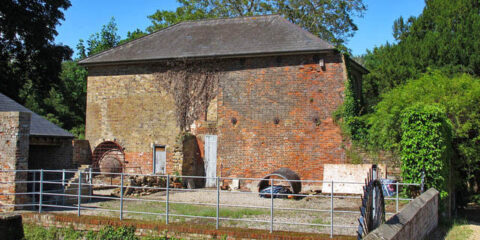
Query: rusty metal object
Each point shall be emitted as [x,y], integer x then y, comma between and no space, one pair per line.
[285,173]
[108,157]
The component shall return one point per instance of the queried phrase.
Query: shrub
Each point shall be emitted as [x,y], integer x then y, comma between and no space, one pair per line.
[426,146]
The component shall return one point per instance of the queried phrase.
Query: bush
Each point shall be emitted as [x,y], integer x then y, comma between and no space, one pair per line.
[426,146]
[458,96]
[111,233]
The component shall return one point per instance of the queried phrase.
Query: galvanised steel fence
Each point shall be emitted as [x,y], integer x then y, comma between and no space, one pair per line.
[56,190]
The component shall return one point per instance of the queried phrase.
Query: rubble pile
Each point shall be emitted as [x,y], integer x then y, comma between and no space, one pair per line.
[132,184]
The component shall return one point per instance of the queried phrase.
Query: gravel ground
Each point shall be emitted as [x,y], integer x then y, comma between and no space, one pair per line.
[209,196]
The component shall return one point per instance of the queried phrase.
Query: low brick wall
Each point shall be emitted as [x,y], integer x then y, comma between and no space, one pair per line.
[156,228]
[415,221]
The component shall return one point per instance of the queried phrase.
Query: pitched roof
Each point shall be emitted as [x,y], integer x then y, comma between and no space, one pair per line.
[270,34]
[39,126]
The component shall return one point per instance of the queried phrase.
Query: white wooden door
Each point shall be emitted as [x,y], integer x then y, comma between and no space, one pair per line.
[160,160]
[210,160]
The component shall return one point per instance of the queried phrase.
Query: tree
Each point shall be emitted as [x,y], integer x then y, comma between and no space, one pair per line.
[98,42]
[331,20]
[444,36]
[29,60]
[458,96]
[132,36]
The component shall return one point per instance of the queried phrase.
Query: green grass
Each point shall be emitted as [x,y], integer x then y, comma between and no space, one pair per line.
[185,209]
[320,221]
[34,232]
[459,231]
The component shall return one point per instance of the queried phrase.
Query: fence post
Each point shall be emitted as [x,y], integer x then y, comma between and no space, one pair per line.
[396,198]
[331,212]
[422,184]
[40,198]
[121,196]
[33,188]
[79,199]
[271,205]
[91,185]
[63,187]
[218,202]
[166,201]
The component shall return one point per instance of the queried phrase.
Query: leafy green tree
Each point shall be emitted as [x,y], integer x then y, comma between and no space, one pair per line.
[331,20]
[29,60]
[426,146]
[444,36]
[98,42]
[132,36]
[459,96]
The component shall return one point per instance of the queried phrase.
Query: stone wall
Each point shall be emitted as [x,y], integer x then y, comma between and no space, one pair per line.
[14,145]
[414,221]
[127,105]
[82,153]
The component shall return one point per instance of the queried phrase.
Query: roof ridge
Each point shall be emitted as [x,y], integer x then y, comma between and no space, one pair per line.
[171,26]
[233,18]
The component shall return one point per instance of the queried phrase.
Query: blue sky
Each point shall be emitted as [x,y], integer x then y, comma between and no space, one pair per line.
[85,17]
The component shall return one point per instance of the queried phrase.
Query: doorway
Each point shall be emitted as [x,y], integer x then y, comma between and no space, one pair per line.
[160,159]
[210,160]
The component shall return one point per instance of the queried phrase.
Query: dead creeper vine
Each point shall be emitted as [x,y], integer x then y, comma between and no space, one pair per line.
[193,86]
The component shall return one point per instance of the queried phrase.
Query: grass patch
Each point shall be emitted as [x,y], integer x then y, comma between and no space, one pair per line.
[459,231]
[34,232]
[185,209]
[320,221]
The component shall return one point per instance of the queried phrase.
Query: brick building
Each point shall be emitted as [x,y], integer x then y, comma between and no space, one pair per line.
[28,141]
[278,86]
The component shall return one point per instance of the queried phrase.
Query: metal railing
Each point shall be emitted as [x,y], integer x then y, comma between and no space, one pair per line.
[47,198]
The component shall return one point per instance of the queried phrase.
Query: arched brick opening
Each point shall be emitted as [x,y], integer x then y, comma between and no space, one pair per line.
[108,156]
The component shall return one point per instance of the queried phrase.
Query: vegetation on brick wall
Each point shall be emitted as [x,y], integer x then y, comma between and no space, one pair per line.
[351,109]
[426,146]
[193,85]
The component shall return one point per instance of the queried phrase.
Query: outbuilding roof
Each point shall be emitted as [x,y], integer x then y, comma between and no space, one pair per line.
[39,126]
[242,36]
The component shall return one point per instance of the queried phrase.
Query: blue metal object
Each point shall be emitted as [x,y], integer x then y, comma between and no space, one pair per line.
[275,191]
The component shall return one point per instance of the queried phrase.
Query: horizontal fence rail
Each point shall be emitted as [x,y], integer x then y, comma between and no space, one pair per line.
[75,190]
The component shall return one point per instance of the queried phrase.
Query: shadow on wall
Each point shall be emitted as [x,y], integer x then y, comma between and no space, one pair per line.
[193,164]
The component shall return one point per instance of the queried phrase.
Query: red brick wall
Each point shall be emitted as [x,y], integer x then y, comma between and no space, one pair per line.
[298,92]
[126,103]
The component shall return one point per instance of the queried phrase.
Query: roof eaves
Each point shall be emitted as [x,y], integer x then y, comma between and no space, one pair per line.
[223,56]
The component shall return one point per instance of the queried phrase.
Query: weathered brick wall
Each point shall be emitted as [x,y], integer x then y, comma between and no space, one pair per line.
[126,104]
[160,229]
[14,145]
[301,95]
[414,221]
[82,153]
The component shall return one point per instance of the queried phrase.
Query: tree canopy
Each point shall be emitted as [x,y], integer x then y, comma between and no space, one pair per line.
[444,36]
[331,20]
[29,60]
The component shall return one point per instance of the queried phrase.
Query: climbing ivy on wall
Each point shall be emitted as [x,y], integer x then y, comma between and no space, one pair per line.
[193,85]
[426,145]
[350,111]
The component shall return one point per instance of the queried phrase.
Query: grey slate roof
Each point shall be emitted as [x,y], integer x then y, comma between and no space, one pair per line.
[39,126]
[214,38]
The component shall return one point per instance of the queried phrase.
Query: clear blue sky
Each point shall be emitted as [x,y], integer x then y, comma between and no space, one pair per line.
[85,17]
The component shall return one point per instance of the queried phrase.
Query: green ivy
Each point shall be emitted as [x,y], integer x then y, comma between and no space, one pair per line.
[350,111]
[426,145]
